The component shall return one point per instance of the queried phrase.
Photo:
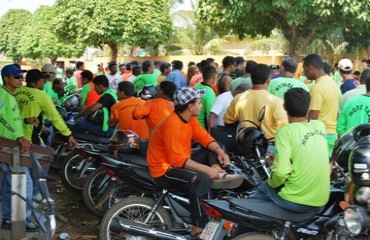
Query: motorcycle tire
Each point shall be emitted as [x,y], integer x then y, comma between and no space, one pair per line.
[254,236]
[134,209]
[120,193]
[70,170]
[95,184]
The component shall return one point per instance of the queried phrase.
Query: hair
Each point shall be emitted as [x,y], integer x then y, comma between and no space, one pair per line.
[69,71]
[209,72]
[112,64]
[191,70]
[164,66]
[365,75]
[290,64]
[297,102]
[57,81]
[146,65]
[345,72]
[364,60]
[157,63]
[168,88]
[228,61]
[250,65]
[79,64]
[176,64]
[191,63]
[210,60]
[101,80]
[357,73]
[203,64]
[313,60]
[182,108]
[88,75]
[128,66]
[327,68]
[136,70]
[126,87]
[135,63]
[260,73]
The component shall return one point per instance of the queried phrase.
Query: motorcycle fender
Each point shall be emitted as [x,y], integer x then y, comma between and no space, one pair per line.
[113,187]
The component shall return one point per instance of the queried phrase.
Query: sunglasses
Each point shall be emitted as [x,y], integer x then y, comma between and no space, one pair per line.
[18,76]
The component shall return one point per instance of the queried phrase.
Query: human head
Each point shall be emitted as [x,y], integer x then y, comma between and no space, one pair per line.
[135,63]
[240,63]
[260,74]
[209,75]
[192,70]
[167,89]
[112,66]
[211,61]
[157,64]
[188,98]
[345,66]
[147,67]
[35,78]
[80,65]
[86,76]
[364,76]
[136,70]
[191,63]
[125,89]
[249,66]
[58,84]
[313,66]
[69,72]
[203,64]
[122,68]
[228,63]
[177,65]
[165,68]
[365,64]
[327,68]
[12,77]
[101,83]
[297,102]
[50,70]
[128,66]
[289,64]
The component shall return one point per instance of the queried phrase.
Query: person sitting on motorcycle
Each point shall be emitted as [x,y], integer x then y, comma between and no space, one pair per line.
[86,122]
[300,178]
[88,94]
[173,165]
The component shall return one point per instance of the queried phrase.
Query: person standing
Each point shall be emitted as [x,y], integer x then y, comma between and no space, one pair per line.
[146,78]
[240,66]
[176,75]
[224,79]
[12,128]
[113,77]
[80,66]
[325,96]
[71,84]
[345,69]
[49,70]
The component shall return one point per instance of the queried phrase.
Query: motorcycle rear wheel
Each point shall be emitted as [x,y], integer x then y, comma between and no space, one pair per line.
[135,209]
[254,236]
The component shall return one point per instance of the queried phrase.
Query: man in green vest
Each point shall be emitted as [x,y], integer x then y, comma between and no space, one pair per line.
[95,118]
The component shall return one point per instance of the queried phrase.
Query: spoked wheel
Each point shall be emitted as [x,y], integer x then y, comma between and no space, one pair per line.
[135,209]
[74,172]
[254,236]
[123,191]
[95,185]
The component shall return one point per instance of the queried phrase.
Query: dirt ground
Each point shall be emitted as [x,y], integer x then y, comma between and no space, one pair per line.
[72,215]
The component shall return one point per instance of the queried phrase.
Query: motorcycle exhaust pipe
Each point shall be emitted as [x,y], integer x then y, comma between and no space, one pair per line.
[138,229]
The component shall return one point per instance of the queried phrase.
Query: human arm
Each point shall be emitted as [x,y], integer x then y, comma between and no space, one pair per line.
[212,120]
[25,144]
[84,92]
[222,157]
[315,103]
[114,114]
[342,122]
[213,173]
[232,114]
[141,111]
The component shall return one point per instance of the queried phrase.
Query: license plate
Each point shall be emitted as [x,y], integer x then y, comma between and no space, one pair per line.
[210,230]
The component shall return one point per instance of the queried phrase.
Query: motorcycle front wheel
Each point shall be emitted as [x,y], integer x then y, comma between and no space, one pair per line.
[135,209]
[254,236]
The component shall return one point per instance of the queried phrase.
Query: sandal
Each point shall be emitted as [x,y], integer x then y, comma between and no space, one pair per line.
[227,181]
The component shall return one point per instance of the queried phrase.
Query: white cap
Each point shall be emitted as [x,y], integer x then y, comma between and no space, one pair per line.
[345,64]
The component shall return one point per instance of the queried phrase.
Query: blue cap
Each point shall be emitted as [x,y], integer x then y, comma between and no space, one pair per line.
[10,69]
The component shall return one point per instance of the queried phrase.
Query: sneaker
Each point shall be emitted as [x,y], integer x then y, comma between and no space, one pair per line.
[227,181]
[32,227]
[6,224]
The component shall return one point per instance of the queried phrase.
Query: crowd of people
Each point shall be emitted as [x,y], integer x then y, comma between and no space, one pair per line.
[303,117]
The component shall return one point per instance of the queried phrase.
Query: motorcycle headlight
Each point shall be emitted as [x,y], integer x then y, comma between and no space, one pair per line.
[356,219]
[363,196]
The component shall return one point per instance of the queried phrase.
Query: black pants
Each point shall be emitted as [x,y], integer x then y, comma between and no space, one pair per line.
[196,184]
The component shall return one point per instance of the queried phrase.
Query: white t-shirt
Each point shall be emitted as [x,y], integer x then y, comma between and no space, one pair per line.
[114,80]
[220,106]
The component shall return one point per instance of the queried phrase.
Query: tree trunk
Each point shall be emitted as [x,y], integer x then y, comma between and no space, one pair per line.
[113,51]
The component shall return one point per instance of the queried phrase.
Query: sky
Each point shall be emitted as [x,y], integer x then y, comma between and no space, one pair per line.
[32,5]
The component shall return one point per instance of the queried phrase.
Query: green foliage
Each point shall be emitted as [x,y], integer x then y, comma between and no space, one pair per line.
[38,40]
[300,21]
[12,25]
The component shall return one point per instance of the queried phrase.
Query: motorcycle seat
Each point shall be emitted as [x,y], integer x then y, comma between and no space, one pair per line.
[134,158]
[91,138]
[270,209]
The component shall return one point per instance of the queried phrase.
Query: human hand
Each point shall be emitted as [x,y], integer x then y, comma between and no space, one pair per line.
[72,142]
[223,158]
[25,144]
[32,120]
[213,173]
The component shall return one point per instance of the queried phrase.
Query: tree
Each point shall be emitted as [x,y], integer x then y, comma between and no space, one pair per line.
[38,40]
[114,22]
[12,25]
[300,21]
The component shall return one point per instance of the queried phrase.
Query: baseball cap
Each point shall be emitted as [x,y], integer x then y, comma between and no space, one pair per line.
[10,69]
[239,60]
[49,68]
[345,64]
[186,94]
[34,75]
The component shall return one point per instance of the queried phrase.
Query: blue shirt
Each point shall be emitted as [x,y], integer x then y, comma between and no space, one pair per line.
[348,85]
[177,78]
